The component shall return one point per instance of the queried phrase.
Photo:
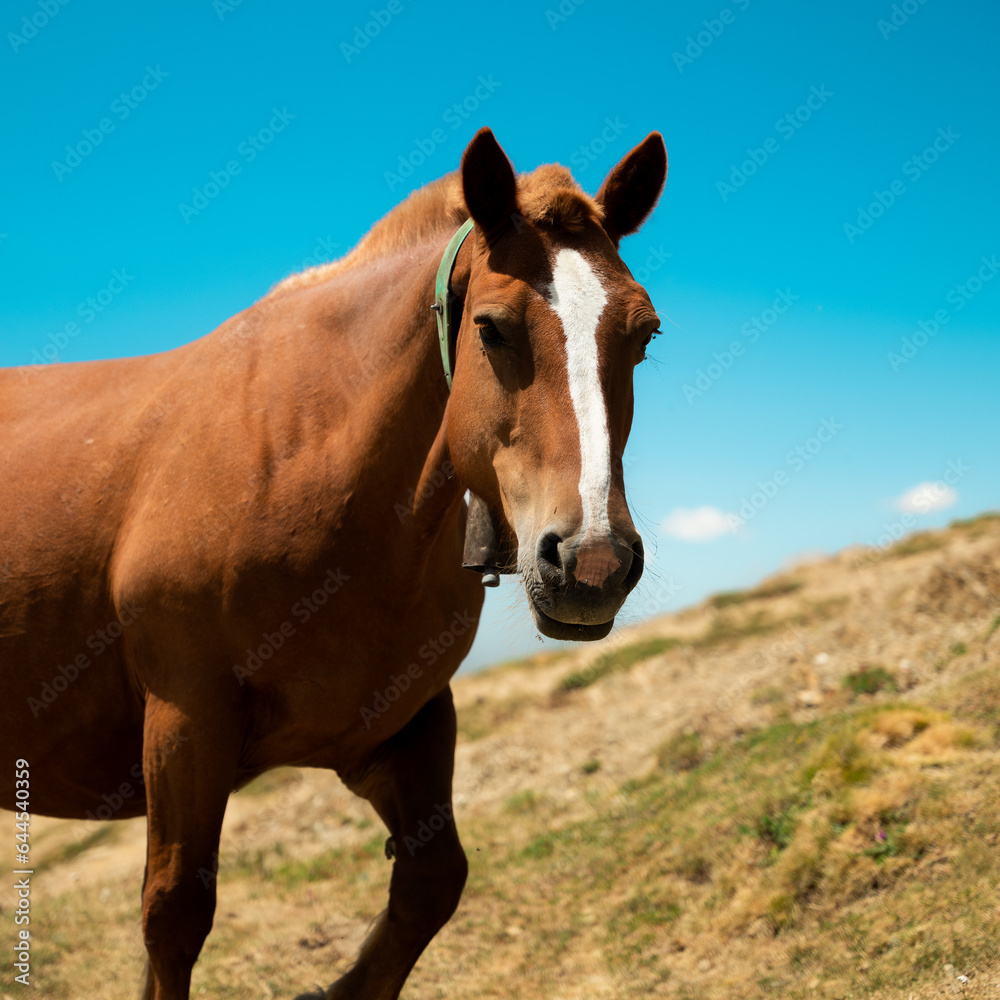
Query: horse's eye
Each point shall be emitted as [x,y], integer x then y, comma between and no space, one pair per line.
[490,335]
[647,341]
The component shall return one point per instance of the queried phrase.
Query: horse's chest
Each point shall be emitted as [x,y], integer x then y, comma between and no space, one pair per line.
[336,678]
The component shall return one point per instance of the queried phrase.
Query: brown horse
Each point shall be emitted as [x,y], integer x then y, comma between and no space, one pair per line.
[247,552]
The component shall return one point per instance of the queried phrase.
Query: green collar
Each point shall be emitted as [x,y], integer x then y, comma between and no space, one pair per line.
[442,301]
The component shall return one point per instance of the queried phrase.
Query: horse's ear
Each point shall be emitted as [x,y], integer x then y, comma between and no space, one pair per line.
[488,185]
[630,191]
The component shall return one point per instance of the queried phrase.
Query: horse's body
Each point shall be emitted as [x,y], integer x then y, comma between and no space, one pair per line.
[246,552]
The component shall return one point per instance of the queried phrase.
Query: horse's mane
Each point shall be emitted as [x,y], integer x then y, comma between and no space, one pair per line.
[547,196]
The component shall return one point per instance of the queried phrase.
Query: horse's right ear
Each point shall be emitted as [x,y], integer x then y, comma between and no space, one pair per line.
[488,185]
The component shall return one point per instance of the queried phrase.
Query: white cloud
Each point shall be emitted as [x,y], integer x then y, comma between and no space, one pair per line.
[698,524]
[927,497]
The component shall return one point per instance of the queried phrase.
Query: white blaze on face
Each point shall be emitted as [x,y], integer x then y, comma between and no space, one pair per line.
[578,299]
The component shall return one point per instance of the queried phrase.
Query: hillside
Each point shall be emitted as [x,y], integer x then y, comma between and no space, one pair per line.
[789,791]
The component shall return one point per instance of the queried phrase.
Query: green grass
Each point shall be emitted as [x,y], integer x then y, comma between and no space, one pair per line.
[797,826]
[870,680]
[809,847]
[723,628]
[617,660]
[334,864]
[923,541]
[521,802]
[485,716]
[270,781]
[103,834]
[765,591]
[681,752]
[777,824]
[979,521]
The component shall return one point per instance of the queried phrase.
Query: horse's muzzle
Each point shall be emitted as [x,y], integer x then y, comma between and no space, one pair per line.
[578,584]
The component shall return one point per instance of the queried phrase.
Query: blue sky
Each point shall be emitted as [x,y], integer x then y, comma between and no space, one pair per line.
[831,188]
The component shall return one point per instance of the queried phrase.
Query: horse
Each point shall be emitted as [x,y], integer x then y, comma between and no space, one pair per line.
[247,552]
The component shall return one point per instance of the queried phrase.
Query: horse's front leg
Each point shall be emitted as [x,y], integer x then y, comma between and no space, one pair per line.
[189,761]
[410,787]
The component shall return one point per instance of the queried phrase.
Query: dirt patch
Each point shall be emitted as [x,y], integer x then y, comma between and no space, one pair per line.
[786,791]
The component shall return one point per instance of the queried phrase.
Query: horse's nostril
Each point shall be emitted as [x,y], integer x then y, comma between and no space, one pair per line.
[549,559]
[638,564]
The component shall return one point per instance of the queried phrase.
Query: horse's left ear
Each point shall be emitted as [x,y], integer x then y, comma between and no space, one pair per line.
[630,191]
[488,185]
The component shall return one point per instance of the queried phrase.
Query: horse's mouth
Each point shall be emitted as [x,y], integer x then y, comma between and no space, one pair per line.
[555,629]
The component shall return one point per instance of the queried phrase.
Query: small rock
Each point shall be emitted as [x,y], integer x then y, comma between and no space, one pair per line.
[704,965]
[809,699]
[821,659]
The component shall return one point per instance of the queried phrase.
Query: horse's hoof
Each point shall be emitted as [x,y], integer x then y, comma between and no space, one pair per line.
[318,994]
[390,848]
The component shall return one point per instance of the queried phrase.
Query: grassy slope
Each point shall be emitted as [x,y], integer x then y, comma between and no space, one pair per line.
[827,827]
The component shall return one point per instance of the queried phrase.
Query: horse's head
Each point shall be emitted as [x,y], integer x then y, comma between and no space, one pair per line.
[553,325]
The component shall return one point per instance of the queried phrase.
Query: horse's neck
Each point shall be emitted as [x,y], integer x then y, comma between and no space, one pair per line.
[366,355]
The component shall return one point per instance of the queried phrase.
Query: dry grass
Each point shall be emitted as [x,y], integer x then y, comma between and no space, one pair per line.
[679,826]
